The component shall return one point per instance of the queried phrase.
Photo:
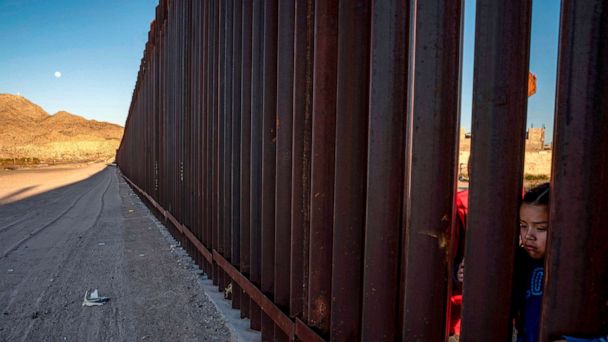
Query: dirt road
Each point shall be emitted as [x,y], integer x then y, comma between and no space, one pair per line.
[94,233]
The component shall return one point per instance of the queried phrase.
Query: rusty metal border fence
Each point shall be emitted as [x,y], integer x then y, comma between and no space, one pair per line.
[304,152]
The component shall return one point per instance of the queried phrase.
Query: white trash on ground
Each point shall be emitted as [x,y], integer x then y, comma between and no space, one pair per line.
[92,298]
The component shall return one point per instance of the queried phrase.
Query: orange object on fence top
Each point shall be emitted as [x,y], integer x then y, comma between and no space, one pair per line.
[531,84]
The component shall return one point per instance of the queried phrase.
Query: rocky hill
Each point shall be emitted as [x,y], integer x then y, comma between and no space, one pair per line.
[27,131]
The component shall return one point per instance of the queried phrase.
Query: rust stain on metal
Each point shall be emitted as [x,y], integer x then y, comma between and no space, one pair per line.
[319,311]
[442,240]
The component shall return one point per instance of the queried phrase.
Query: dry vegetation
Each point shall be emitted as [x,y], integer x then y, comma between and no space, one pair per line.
[30,135]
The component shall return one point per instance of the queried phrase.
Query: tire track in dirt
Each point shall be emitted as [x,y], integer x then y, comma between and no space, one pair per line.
[69,256]
[14,294]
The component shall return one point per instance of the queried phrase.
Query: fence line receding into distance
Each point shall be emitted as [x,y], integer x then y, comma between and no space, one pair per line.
[304,152]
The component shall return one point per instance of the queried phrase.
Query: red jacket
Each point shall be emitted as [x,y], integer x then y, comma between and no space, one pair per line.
[462,210]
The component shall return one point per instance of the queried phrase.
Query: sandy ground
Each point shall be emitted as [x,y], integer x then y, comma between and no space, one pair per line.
[93,233]
[24,183]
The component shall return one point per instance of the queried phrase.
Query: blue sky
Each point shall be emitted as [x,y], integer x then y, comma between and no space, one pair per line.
[543,63]
[97,46]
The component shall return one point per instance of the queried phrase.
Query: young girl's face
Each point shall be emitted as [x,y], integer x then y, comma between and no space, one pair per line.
[533,224]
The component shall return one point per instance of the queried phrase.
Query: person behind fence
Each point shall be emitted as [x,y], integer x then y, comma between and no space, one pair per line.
[529,266]
[530,261]
[462,210]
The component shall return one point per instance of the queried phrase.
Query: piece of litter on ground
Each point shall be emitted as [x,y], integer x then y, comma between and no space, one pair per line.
[131,210]
[141,255]
[10,270]
[101,244]
[92,298]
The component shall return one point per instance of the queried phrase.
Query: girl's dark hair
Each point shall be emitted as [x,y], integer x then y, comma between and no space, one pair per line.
[539,195]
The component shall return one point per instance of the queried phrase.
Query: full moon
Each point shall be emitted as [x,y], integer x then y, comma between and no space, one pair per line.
[57,74]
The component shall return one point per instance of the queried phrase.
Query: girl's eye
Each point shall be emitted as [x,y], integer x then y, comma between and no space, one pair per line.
[542,229]
[523,226]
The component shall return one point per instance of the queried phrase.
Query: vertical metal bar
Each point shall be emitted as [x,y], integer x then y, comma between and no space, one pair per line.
[170,110]
[236,148]
[180,116]
[170,162]
[178,167]
[323,147]
[195,90]
[164,116]
[284,116]
[387,107]
[205,190]
[175,141]
[195,96]
[192,99]
[200,103]
[227,139]
[179,76]
[269,105]
[499,122]
[188,137]
[301,155]
[256,154]
[221,146]
[195,62]
[434,111]
[202,208]
[183,113]
[576,284]
[207,58]
[155,111]
[185,119]
[169,113]
[188,122]
[174,116]
[163,176]
[245,149]
[163,126]
[198,93]
[352,107]
[174,166]
[161,109]
[199,16]
[214,133]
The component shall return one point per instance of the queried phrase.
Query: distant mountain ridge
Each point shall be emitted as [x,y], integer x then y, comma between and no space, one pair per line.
[27,131]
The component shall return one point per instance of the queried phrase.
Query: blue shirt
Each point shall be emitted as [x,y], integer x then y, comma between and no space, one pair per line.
[530,315]
[575,339]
